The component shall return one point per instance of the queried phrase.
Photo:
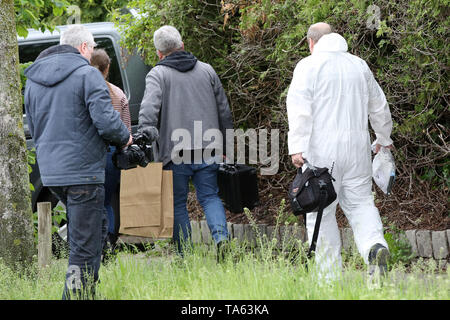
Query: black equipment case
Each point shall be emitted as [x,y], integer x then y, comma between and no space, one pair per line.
[238,187]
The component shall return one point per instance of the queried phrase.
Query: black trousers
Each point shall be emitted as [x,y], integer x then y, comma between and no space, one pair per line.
[86,233]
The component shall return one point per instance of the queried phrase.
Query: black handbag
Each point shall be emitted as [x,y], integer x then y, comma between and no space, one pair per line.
[311,191]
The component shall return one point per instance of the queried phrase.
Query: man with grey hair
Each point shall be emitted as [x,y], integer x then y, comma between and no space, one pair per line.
[70,116]
[332,98]
[166,40]
[80,38]
[185,96]
[315,32]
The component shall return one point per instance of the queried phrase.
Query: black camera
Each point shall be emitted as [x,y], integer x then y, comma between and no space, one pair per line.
[140,152]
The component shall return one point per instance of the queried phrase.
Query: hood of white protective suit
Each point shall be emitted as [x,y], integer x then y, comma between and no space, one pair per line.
[331,42]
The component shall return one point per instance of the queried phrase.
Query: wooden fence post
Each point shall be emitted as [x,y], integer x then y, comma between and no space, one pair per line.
[44,210]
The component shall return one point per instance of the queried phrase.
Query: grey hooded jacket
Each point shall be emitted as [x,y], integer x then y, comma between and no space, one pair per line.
[183,93]
[70,116]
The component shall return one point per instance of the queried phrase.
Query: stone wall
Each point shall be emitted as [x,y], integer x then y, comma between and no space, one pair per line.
[424,243]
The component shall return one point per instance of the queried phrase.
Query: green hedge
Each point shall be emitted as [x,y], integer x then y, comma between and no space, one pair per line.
[254,45]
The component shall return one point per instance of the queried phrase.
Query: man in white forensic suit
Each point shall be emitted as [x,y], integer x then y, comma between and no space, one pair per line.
[331,100]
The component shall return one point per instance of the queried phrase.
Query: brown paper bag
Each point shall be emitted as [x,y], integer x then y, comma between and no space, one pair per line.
[167,205]
[146,202]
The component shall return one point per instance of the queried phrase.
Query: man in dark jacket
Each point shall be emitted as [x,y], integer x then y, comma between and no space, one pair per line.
[70,116]
[184,100]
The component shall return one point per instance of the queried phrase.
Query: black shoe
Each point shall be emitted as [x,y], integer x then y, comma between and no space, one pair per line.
[112,238]
[378,257]
[223,250]
[109,249]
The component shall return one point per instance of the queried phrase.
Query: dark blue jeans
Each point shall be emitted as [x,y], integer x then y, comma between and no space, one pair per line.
[112,179]
[87,227]
[204,177]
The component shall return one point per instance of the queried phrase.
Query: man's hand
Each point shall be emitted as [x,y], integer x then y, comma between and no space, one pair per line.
[130,141]
[378,147]
[297,160]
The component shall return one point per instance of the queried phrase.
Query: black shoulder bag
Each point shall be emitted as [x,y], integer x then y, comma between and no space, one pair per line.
[311,191]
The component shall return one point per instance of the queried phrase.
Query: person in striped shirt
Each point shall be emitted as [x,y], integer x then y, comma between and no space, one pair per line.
[102,62]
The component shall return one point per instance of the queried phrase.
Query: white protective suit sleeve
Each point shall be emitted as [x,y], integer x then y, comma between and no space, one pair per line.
[299,103]
[379,113]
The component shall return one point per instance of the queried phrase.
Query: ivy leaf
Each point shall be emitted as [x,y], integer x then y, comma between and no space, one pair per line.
[22,31]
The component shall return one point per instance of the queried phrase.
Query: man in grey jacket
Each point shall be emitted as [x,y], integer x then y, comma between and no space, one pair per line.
[184,100]
[70,116]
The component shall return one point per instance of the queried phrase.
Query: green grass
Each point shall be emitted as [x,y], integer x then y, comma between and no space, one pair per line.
[248,274]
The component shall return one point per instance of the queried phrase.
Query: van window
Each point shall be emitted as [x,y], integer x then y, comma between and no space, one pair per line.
[29,53]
